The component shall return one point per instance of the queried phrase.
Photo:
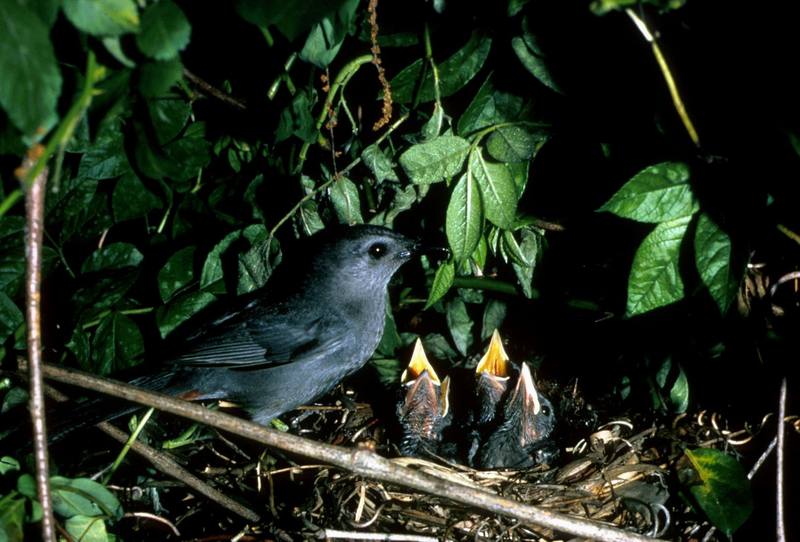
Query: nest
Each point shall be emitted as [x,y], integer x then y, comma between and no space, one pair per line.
[621,474]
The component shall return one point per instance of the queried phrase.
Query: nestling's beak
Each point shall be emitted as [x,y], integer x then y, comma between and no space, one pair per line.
[495,360]
[419,364]
[524,403]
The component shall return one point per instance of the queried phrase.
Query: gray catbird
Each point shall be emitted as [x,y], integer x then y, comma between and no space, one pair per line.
[317,320]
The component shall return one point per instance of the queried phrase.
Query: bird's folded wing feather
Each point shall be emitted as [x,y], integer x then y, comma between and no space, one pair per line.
[256,339]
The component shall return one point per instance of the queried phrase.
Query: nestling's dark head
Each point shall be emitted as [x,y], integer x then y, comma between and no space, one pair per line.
[527,421]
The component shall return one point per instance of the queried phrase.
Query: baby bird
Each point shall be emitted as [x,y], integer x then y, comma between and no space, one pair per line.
[424,410]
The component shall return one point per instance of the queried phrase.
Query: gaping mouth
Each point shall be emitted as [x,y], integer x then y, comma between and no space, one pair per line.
[495,361]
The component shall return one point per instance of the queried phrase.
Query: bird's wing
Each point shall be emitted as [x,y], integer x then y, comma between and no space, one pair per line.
[259,338]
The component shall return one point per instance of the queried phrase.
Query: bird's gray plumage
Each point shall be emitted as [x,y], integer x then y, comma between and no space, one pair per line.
[317,320]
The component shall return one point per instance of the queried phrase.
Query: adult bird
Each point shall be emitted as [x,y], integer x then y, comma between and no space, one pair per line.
[318,319]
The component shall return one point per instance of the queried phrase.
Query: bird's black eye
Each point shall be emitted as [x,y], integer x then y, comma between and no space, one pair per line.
[378,250]
[546,410]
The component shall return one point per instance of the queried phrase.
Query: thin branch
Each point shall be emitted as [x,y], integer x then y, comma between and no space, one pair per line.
[34,209]
[780,512]
[210,90]
[360,461]
[667,73]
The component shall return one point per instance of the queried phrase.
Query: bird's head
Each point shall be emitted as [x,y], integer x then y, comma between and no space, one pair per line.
[361,258]
[529,412]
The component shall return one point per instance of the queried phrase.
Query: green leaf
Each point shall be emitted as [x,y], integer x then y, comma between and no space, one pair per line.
[346,202]
[464,219]
[712,253]
[165,31]
[655,278]
[169,114]
[10,317]
[514,144]
[326,37]
[112,256]
[724,491]
[296,119]
[103,17]
[8,464]
[102,292]
[212,273]
[454,73]
[460,325]
[530,246]
[176,273]
[379,163]
[515,6]
[531,57]
[132,199]
[512,248]
[46,10]
[436,160]
[519,173]
[82,496]
[433,126]
[672,379]
[106,158]
[114,47]
[309,219]
[87,529]
[69,210]
[499,195]
[157,78]
[489,107]
[116,345]
[26,485]
[256,265]
[79,346]
[180,309]
[186,157]
[442,282]
[493,316]
[656,194]
[437,347]
[31,81]
[291,18]
[389,370]
[404,199]
[12,517]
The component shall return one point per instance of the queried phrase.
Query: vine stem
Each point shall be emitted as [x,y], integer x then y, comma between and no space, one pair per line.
[667,73]
[34,210]
[33,175]
[344,76]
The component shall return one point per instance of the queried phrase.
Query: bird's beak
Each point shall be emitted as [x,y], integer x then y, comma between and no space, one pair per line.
[444,397]
[525,399]
[419,364]
[495,361]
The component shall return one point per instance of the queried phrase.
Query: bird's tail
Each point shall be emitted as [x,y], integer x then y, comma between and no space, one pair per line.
[64,419]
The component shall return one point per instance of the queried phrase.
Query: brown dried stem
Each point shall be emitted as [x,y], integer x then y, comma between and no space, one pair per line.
[34,209]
